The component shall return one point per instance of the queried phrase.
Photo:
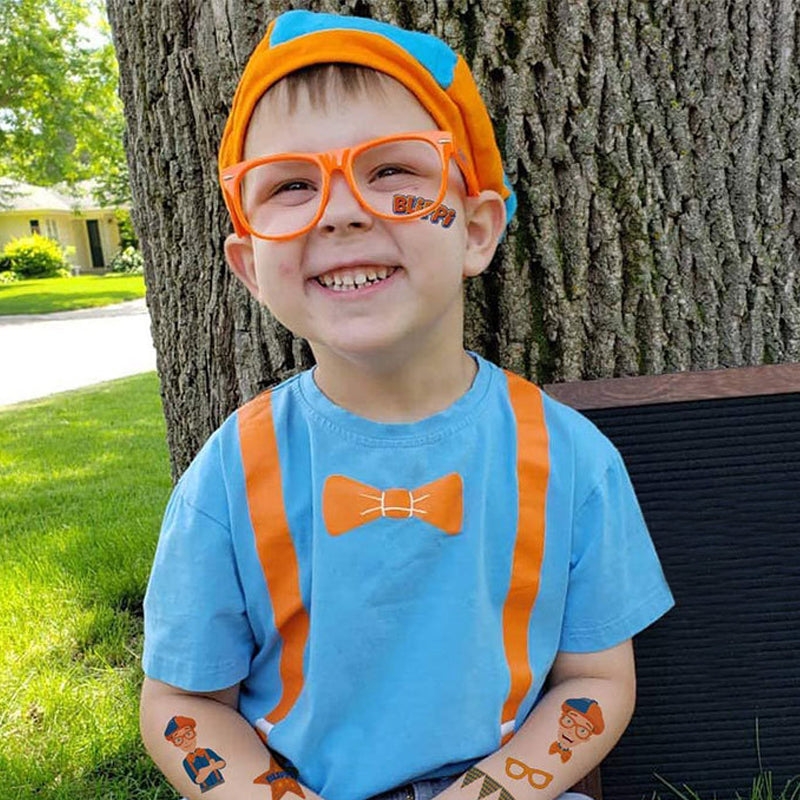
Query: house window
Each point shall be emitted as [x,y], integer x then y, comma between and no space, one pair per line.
[52,228]
[35,226]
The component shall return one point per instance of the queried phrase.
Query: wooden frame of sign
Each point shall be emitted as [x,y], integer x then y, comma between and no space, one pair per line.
[678,387]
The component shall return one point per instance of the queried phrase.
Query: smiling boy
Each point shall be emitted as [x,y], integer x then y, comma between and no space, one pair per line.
[390,553]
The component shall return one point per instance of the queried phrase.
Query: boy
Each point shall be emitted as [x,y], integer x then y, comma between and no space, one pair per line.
[372,568]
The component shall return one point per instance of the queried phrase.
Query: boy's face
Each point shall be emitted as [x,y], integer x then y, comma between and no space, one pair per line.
[419,304]
[573,729]
[185,739]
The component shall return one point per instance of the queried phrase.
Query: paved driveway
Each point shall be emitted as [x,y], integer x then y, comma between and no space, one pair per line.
[45,353]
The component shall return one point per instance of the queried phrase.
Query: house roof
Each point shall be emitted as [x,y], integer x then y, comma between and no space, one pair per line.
[25,197]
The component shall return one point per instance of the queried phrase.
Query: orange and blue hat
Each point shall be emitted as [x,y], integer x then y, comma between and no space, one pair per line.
[438,77]
[587,708]
[176,724]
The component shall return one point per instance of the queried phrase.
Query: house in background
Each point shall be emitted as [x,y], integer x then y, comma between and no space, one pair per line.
[79,222]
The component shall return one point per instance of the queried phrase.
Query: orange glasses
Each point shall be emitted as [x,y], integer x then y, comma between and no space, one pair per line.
[281,196]
[581,731]
[537,778]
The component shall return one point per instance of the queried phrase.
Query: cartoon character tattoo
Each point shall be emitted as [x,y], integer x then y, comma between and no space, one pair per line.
[581,718]
[490,785]
[280,780]
[408,203]
[202,765]
[537,778]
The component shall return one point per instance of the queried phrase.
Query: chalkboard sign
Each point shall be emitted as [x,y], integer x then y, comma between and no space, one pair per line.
[719,484]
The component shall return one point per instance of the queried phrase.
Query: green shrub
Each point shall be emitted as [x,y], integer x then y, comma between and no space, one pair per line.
[129,261]
[35,256]
[7,276]
[127,235]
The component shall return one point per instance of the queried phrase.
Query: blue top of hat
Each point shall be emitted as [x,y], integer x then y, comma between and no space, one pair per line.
[431,52]
[582,704]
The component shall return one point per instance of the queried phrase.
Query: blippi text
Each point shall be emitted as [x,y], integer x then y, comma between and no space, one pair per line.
[408,203]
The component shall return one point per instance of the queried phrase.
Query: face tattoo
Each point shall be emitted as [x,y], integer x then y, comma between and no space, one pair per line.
[581,718]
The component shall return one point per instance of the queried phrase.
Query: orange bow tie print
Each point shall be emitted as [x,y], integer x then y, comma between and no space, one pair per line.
[346,503]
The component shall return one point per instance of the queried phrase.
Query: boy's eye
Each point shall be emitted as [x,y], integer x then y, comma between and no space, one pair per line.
[293,186]
[387,170]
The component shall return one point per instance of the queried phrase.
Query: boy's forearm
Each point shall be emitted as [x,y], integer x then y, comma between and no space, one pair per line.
[537,750]
[227,739]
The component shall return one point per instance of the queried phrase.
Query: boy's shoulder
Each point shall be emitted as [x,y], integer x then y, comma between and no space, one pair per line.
[204,482]
[575,444]
[262,398]
[566,426]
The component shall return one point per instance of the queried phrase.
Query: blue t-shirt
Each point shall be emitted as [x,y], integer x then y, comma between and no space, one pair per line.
[405,653]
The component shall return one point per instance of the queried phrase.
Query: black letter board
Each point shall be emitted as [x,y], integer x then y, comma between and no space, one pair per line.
[719,485]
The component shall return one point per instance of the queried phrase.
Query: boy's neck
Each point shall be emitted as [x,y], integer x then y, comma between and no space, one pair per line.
[407,390]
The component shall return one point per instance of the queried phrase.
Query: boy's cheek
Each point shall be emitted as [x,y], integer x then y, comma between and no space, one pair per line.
[287,269]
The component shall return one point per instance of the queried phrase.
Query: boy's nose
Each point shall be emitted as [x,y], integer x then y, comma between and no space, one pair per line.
[343,212]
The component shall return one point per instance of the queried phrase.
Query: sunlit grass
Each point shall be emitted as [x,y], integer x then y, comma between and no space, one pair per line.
[84,479]
[45,295]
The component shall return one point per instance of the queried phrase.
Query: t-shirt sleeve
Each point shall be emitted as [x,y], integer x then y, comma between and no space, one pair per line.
[616,584]
[197,635]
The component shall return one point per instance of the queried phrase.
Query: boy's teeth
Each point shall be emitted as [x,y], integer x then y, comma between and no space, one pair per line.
[348,280]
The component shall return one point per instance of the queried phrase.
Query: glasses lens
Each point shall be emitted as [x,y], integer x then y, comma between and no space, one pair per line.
[515,769]
[400,169]
[282,196]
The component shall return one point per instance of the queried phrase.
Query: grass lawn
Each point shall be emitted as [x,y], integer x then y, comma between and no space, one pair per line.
[44,295]
[84,479]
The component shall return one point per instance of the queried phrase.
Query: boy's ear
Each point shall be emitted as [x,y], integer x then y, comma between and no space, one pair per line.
[239,255]
[486,221]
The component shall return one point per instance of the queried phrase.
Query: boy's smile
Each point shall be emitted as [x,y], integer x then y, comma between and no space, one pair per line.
[357,285]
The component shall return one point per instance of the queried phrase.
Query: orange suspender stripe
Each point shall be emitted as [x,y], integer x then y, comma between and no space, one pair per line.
[274,544]
[533,469]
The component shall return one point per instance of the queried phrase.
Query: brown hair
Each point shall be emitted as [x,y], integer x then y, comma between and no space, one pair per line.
[323,81]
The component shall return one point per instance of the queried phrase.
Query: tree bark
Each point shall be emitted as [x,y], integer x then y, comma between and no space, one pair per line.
[653,145]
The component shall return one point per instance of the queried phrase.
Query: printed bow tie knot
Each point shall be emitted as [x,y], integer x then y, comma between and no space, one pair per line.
[346,503]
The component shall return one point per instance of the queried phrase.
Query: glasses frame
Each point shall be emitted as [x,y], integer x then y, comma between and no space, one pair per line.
[527,772]
[568,721]
[341,159]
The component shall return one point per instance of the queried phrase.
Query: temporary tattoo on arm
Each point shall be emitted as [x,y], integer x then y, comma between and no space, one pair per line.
[408,203]
[279,780]
[537,778]
[581,718]
[202,765]
[490,785]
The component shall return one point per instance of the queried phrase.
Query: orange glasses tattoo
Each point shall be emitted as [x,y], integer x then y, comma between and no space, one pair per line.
[537,778]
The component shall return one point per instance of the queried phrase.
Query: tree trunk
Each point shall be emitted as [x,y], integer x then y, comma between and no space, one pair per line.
[653,145]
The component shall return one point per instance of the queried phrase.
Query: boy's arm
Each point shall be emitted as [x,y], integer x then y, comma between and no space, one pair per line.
[538,763]
[219,728]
